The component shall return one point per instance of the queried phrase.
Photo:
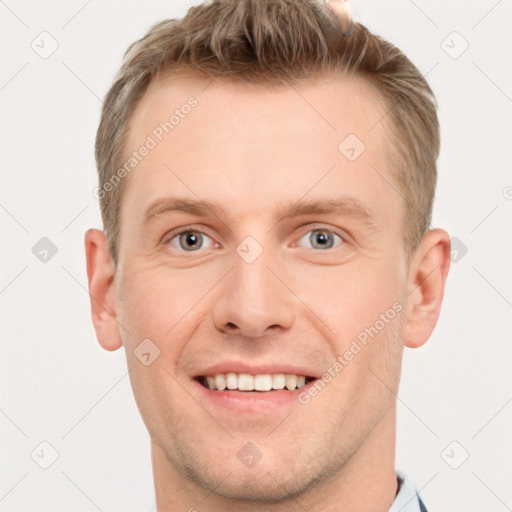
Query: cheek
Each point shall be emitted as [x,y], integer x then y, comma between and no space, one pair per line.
[156,305]
[351,297]
[160,304]
[141,302]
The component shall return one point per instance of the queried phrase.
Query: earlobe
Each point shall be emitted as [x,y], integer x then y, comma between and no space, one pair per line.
[426,281]
[100,276]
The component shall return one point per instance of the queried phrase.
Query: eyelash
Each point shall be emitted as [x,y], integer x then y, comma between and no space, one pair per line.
[192,230]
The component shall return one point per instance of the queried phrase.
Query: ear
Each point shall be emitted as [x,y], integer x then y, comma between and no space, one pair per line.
[427,274]
[100,275]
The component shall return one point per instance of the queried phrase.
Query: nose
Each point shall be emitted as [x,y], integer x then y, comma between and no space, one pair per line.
[254,299]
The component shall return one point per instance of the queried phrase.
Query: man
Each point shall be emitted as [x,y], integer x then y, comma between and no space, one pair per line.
[266,187]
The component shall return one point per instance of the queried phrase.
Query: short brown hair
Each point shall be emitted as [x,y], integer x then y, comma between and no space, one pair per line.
[287,42]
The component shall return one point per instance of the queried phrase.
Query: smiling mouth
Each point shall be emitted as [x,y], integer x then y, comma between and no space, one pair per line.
[248,382]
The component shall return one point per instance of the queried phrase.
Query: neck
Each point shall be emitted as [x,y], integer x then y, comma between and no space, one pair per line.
[366,482]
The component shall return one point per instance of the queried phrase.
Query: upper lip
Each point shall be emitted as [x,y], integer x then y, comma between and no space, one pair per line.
[256,369]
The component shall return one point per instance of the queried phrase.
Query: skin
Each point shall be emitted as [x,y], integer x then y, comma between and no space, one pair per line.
[254,151]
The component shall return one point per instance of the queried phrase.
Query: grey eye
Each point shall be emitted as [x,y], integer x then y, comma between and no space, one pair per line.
[190,241]
[321,238]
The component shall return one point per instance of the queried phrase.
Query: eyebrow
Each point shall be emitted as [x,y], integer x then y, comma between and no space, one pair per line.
[343,206]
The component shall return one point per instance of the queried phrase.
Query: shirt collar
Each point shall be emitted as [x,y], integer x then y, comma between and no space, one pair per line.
[407,498]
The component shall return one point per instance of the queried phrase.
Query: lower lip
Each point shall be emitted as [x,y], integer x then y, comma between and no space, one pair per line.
[250,401]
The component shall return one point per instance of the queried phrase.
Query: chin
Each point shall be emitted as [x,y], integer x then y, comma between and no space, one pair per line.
[264,487]
[274,478]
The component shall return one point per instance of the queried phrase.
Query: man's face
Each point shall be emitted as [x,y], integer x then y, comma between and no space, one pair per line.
[261,285]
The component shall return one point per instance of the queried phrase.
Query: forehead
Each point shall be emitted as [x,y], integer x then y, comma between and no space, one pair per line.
[330,107]
[250,144]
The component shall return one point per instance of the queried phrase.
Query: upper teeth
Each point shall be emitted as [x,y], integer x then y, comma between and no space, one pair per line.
[246,382]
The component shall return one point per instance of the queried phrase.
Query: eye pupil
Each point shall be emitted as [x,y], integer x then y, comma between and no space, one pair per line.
[321,239]
[189,241]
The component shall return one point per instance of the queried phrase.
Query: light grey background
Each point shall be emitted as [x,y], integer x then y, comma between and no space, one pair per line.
[60,387]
